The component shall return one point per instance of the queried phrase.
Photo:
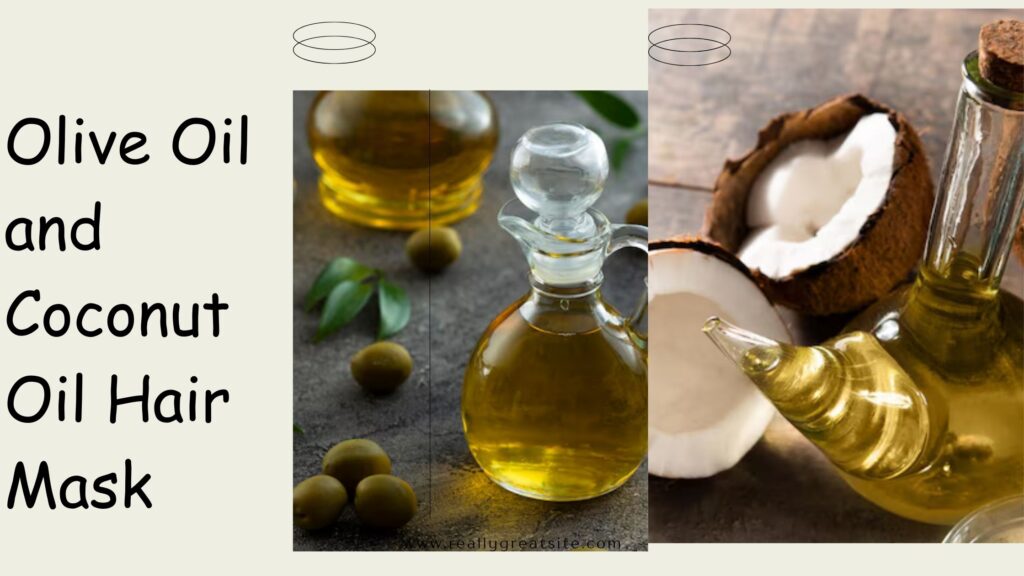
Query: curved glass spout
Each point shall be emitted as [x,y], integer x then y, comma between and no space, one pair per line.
[518,227]
[847,396]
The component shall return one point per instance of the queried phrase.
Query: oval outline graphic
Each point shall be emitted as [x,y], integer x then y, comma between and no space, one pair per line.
[656,44]
[306,33]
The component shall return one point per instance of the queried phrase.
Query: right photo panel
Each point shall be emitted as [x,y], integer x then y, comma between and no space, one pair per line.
[836,347]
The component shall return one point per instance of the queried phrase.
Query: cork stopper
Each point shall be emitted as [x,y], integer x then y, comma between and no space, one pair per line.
[1001,54]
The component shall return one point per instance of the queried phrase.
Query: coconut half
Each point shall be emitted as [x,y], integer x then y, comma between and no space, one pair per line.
[704,414]
[830,210]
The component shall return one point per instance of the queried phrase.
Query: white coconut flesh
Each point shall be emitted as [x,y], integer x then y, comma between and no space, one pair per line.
[704,414]
[809,204]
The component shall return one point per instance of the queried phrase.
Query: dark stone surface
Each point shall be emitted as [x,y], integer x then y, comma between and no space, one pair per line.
[420,425]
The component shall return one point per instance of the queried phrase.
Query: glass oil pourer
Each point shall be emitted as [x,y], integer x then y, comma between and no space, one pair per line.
[402,160]
[920,403]
[554,402]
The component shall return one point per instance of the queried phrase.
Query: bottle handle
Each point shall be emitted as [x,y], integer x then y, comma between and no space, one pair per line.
[632,236]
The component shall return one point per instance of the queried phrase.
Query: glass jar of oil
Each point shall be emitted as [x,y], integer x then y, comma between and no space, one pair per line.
[554,401]
[920,404]
[957,336]
[402,159]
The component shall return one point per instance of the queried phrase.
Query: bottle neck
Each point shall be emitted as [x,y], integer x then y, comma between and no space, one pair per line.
[980,198]
[542,289]
[557,259]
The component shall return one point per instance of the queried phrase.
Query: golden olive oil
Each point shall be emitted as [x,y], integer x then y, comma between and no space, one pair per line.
[850,399]
[964,350]
[554,400]
[921,406]
[402,160]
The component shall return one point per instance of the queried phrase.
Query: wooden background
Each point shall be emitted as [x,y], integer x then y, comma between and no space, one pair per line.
[786,60]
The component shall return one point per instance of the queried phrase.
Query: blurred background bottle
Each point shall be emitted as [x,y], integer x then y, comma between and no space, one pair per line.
[402,159]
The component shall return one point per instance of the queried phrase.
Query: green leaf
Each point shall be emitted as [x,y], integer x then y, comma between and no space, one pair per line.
[334,273]
[611,107]
[394,309]
[296,429]
[621,149]
[344,302]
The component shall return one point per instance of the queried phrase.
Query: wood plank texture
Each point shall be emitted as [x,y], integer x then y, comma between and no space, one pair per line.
[791,60]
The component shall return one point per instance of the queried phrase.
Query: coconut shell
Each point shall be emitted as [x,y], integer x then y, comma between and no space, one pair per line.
[890,242]
[704,246]
[710,248]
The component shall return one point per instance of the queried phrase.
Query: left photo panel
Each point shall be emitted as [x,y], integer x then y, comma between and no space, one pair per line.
[470,331]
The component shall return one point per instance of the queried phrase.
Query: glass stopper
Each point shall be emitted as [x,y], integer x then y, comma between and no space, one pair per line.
[558,171]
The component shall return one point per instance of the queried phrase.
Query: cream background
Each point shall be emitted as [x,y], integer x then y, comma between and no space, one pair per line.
[176,233]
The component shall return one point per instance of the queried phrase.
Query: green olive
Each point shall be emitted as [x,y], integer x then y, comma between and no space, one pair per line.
[317,502]
[380,368]
[433,249]
[384,501]
[638,213]
[352,460]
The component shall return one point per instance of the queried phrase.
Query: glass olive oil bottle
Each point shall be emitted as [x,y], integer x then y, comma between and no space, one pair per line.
[554,401]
